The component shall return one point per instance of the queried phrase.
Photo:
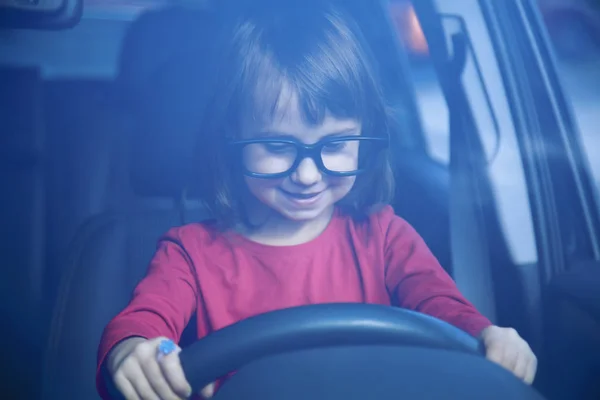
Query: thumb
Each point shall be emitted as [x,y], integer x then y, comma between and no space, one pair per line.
[208,391]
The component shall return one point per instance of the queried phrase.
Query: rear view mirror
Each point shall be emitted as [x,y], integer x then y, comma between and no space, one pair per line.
[40,14]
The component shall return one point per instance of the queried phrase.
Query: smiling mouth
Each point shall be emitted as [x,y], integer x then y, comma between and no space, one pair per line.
[301,196]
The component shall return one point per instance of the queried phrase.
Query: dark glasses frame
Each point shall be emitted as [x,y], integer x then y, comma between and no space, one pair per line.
[303,150]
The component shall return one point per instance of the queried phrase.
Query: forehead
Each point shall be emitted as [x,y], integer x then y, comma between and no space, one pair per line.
[284,116]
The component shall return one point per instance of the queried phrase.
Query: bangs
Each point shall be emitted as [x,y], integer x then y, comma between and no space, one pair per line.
[274,89]
[317,62]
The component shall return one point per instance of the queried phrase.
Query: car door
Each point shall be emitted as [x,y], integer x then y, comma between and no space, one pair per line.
[528,186]
[563,198]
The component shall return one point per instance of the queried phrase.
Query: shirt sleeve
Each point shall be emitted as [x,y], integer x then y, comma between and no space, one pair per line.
[162,303]
[417,281]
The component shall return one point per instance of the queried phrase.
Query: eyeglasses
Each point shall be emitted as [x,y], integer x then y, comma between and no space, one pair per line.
[336,156]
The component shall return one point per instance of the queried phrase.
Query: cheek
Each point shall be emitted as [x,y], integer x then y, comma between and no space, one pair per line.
[341,186]
[259,187]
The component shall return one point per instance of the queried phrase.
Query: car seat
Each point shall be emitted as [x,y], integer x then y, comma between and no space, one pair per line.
[161,87]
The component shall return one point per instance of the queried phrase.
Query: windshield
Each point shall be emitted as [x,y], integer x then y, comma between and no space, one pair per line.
[104,119]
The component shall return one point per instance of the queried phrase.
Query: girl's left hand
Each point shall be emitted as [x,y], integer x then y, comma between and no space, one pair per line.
[505,347]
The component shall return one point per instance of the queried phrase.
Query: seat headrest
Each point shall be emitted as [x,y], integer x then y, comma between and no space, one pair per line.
[161,83]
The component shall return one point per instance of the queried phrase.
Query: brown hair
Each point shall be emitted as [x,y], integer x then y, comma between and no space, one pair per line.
[317,49]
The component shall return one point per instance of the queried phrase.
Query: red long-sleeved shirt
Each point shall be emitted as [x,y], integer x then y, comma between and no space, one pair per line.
[225,278]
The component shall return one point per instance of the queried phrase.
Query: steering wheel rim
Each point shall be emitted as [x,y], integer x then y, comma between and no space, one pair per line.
[313,326]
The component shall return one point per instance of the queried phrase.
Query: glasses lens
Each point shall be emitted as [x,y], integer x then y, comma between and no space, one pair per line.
[269,157]
[347,155]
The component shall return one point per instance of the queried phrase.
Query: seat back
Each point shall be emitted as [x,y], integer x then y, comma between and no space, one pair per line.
[22,221]
[160,90]
[107,260]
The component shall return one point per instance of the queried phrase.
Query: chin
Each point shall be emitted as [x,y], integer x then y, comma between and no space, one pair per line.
[301,215]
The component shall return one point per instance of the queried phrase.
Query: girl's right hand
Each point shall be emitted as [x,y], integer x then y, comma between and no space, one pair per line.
[139,373]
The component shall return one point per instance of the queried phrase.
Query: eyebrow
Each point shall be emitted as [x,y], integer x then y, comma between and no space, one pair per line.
[281,135]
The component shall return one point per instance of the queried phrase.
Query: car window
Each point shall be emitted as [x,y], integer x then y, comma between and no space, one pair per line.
[488,101]
[574,31]
[432,106]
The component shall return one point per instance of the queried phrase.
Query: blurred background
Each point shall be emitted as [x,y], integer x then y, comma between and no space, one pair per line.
[574,30]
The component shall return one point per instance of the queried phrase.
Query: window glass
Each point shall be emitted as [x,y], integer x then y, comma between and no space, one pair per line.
[484,87]
[430,100]
[574,30]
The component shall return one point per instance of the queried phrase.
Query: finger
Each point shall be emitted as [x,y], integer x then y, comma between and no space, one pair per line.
[208,391]
[140,382]
[531,370]
[521,366]
[145,354]
[510,358]
[503,356]
[173,372]
[157,380]
[125,387]
[495,353]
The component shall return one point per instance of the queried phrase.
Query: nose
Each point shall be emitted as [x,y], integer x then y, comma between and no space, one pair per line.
[307,173]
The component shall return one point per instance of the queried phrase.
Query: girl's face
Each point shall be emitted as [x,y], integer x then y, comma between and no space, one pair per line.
[308,193]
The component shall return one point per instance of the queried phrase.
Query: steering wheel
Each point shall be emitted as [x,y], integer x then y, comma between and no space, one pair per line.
[349,351]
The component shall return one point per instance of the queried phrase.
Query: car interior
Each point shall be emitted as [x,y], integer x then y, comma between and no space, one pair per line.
[98,163]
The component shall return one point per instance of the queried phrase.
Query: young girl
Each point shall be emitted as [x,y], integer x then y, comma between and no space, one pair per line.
[294,159]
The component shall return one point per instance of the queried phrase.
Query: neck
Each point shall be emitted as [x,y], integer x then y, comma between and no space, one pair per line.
[274,229]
